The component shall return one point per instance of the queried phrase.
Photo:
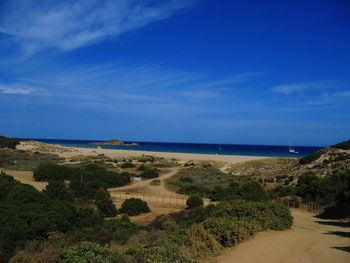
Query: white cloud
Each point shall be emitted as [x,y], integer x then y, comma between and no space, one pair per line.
[18,89]
[72,24]
[288,89]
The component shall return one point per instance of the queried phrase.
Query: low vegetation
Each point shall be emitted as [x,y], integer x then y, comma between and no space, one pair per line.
[134,207]
[6,142]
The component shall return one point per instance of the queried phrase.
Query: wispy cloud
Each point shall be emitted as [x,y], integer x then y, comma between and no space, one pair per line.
[68,25]
[18,89]
[288,89]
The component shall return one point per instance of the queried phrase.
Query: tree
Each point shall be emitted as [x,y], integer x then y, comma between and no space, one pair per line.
[107,207]
[59,190]
[134,206]
[194,201]
[101,194]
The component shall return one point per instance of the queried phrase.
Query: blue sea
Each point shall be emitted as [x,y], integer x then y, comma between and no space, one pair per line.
[200,148]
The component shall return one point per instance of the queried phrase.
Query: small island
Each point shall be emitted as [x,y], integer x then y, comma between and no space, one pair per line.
[114,142]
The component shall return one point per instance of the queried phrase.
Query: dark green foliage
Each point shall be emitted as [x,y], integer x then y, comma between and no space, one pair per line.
[310,158]
[218,193]
[88,252]
[91,172]
[343,145]
[193,188]
[149,173]
[84,181]
[127,165]
[341,209]
[282,191]
[28,214]
[8,142]
[50,171]
[253,191]
[194,201]
[323,190]
[134,206]
[107,207]
[58,190]
[118,229]
[101,194]
[104,203]
[6,184]
[24,193]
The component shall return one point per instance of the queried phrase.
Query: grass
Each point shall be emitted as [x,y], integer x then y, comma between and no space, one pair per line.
[23,160]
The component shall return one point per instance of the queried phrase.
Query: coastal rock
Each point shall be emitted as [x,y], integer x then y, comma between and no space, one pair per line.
[114,142]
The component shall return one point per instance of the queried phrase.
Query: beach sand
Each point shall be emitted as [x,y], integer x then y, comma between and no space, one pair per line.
[67,152]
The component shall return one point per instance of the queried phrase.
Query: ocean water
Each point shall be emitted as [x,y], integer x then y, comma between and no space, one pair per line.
[200,148]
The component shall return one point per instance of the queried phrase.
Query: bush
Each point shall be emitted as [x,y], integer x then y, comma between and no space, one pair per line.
[58,190]
[134,206]
[201,240]
[120,230]
[310,158]
[343,145]
[229,232]
[49,171]
[149,173]
[127,165]
[107,208]
[8,142]
[101,194]
[253,191]
[194,201]
[88,252]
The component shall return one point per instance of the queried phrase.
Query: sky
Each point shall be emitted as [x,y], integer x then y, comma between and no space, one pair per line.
[207,71]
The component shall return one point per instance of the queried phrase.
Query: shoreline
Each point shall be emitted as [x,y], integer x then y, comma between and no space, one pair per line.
[168,155]
[67,152]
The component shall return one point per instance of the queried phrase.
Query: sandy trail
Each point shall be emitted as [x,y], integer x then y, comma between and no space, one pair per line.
[310,240]
[145,185]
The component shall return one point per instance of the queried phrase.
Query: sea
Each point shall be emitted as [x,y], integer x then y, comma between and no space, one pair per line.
[198,148]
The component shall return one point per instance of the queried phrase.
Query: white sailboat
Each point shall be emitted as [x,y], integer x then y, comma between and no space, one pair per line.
[291,149]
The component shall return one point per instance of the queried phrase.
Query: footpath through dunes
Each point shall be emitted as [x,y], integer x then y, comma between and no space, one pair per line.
[156,194]
[311,240]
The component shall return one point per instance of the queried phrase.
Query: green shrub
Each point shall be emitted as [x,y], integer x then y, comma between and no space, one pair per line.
[194,201]
[134,206]
[310,158]
[343,145]
[253,191]
[59,190]
[88,252]
[107,207]
[127,165]
[149,173]
[8,142]
[231,231]
[201,241]
[101,194]
[120,230]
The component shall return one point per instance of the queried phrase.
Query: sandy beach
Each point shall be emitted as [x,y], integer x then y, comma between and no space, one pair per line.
[67,152]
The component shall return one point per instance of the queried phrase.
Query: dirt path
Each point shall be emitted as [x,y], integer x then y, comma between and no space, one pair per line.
[146,186]
[310,240]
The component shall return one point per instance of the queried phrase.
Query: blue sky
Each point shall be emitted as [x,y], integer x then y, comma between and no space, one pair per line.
[244,72]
